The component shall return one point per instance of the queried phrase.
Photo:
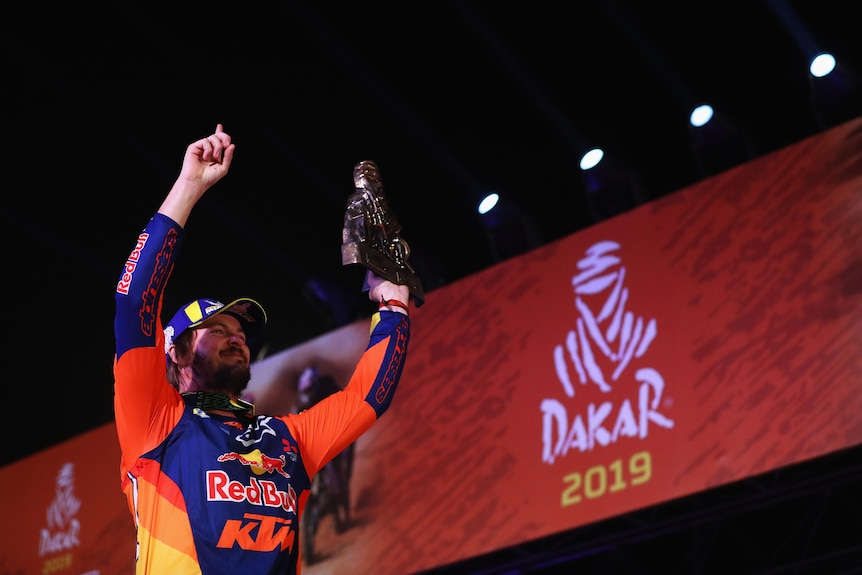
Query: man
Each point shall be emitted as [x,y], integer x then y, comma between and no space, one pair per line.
[214,488]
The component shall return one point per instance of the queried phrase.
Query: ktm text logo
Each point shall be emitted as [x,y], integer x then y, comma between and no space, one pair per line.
[258,533]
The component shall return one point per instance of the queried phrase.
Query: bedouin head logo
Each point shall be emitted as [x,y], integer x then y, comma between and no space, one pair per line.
[65,505]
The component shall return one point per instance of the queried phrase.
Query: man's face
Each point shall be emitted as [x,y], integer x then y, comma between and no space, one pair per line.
[221,359]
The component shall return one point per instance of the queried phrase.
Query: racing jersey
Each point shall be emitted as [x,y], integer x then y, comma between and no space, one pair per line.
[208,493]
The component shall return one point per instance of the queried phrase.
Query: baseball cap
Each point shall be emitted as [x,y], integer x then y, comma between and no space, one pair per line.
[250,314]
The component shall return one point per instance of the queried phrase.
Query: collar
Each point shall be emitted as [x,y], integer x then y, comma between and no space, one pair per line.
[210,400]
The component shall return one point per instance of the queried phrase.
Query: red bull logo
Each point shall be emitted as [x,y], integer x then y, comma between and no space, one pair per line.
[259,463]
[132,264]
[220,487]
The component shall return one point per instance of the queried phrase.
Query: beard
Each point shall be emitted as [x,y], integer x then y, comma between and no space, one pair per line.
[217,376]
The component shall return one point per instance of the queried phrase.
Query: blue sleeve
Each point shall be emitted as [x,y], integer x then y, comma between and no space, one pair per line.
[391,329]
[142,282]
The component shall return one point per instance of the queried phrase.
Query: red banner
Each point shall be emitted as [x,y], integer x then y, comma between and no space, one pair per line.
[64,512]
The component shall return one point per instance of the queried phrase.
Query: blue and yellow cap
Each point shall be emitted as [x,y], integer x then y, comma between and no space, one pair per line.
[250,314]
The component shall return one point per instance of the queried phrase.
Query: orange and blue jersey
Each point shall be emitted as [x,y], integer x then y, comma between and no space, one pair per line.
[210,494]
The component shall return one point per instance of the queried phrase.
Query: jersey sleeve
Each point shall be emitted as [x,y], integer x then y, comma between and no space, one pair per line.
[328,427]
[146,406]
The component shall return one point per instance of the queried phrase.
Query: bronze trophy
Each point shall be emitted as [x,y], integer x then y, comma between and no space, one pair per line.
[372,234]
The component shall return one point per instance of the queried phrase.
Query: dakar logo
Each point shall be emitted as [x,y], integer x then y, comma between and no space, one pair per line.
[63,526]
[606,339]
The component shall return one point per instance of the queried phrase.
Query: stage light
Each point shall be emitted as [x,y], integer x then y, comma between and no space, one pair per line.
[591,159]
[488,202]
[835,89]
[822,65]
[701,115]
